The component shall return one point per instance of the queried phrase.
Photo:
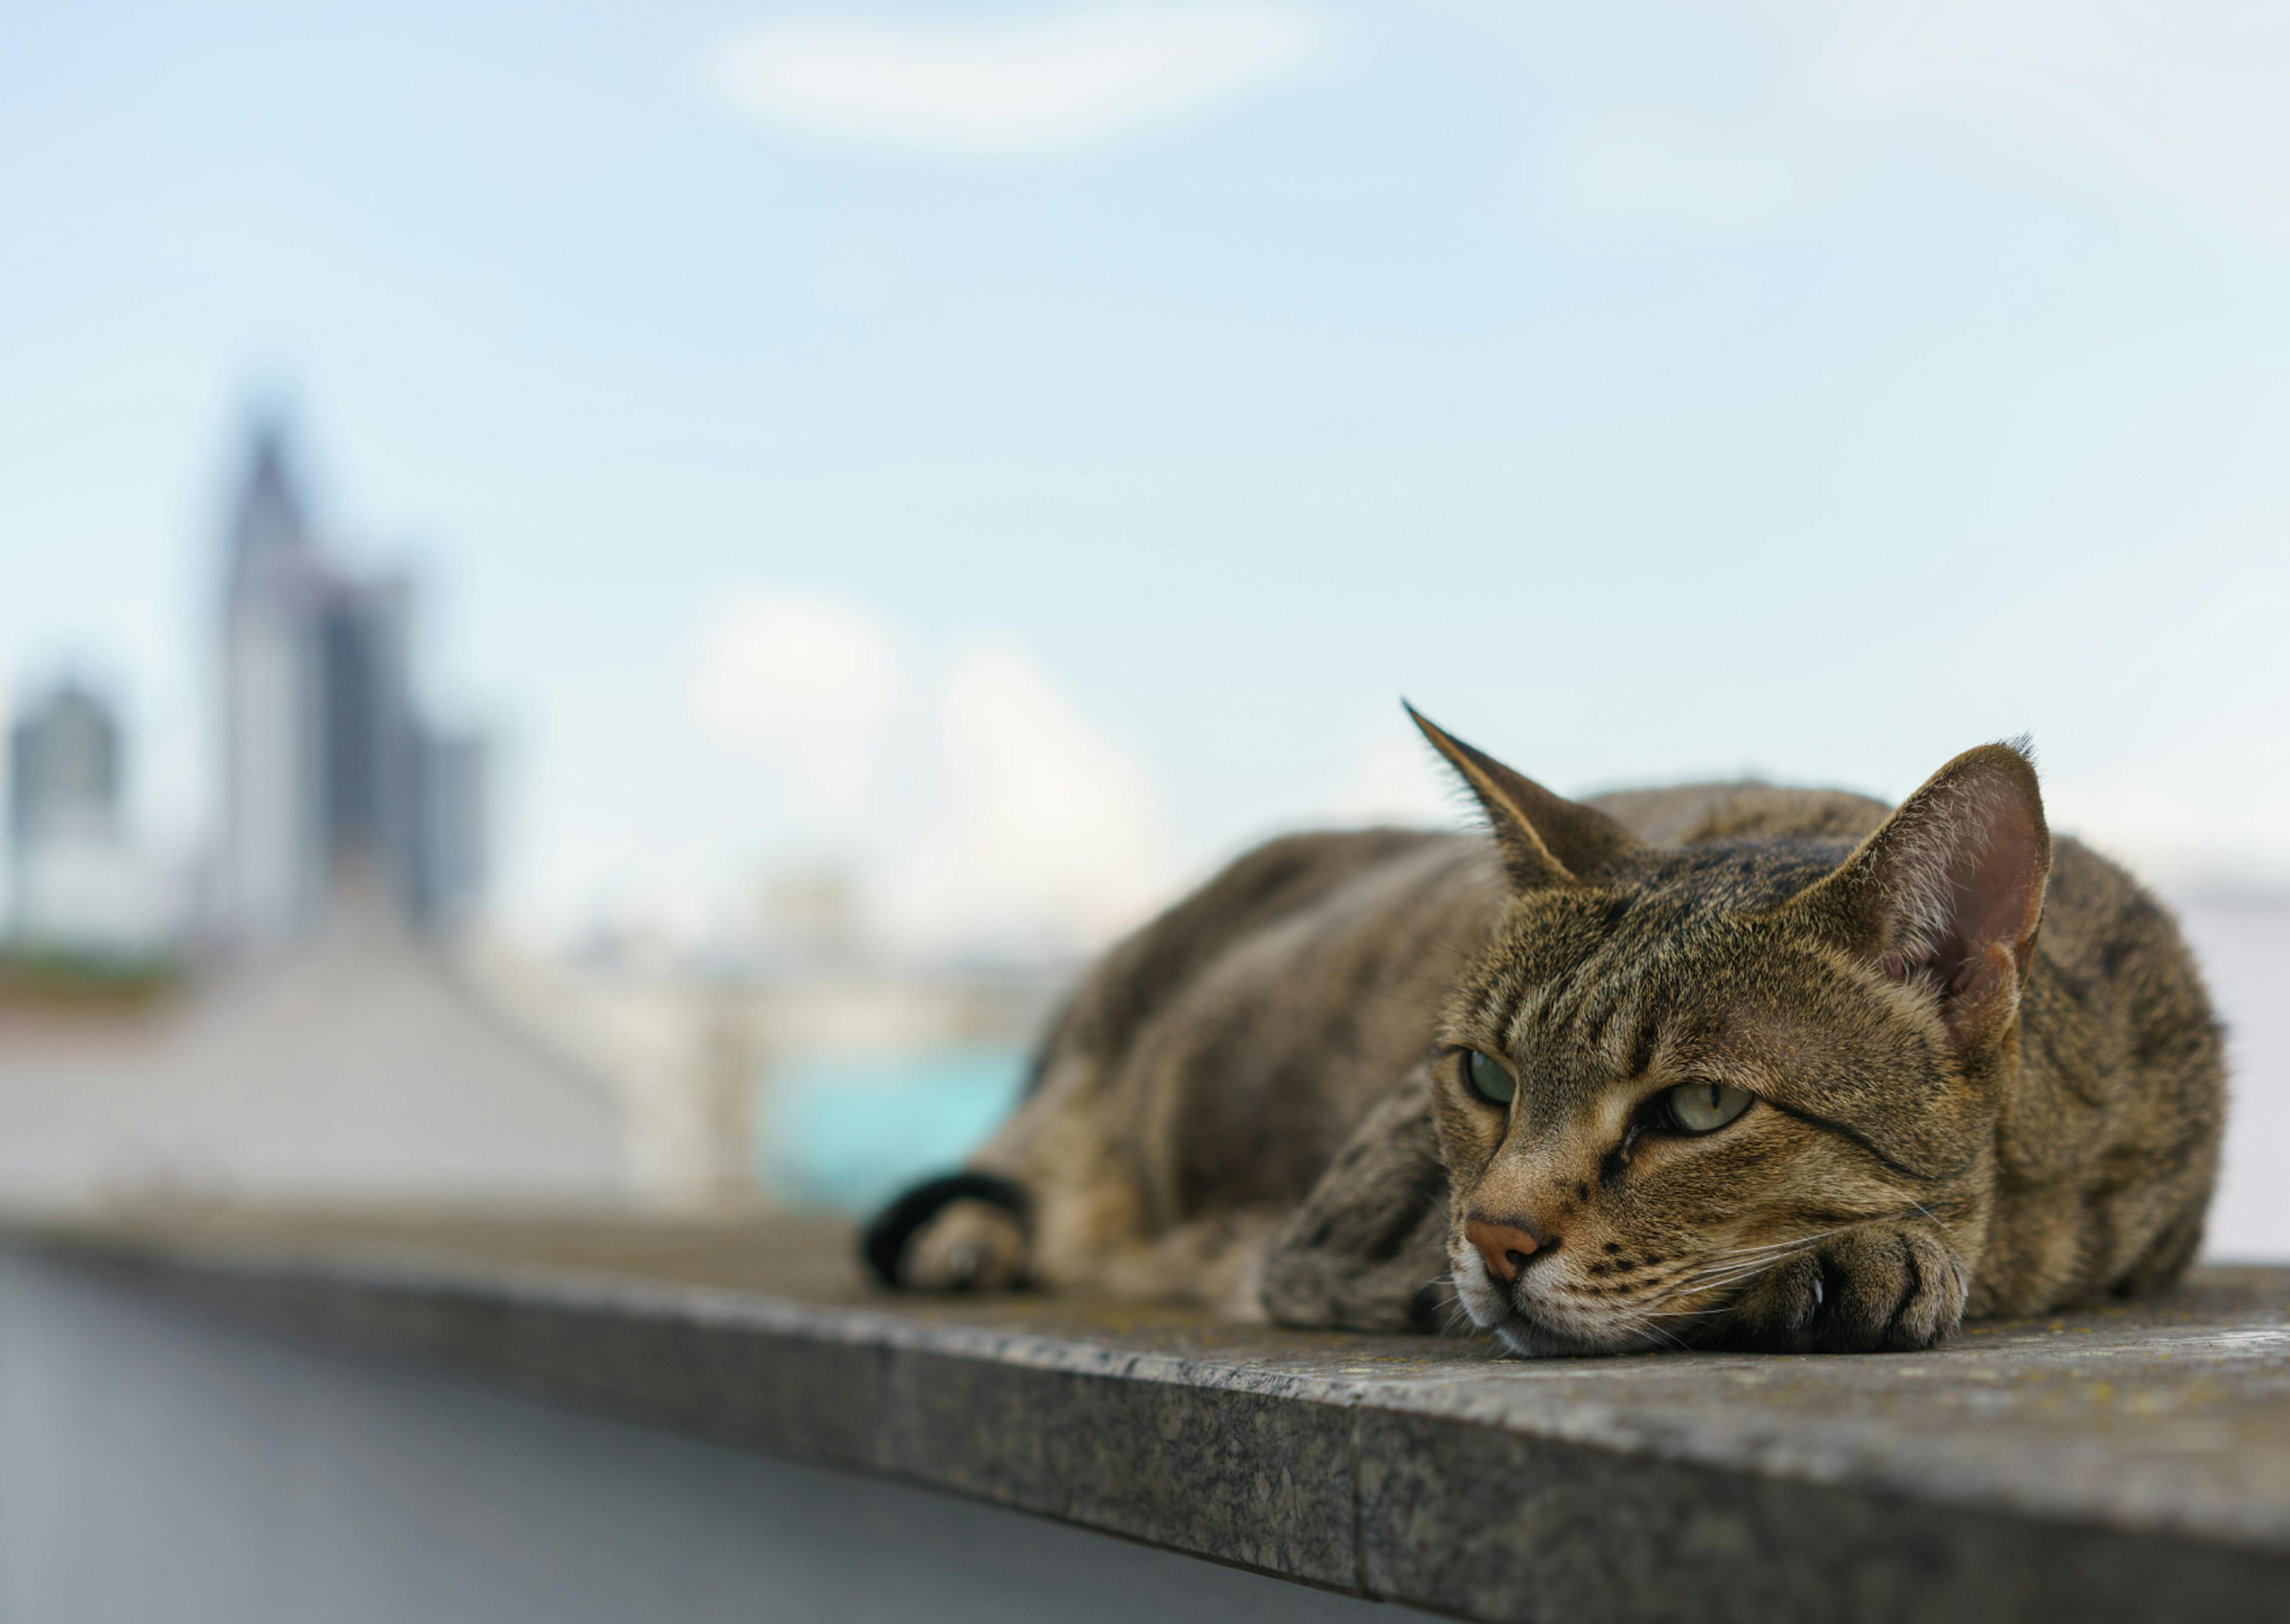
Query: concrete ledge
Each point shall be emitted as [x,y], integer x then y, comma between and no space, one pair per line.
[2130,1463]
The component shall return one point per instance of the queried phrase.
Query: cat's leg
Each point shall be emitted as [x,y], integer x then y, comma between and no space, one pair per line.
[1368,1250]
[1078,1187]
[1892,1287]
[2166,1258]
[965,1231]
[1216,1261]
[1044,1201]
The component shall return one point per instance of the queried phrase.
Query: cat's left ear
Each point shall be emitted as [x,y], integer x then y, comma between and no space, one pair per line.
[1952,888]
[1545,839]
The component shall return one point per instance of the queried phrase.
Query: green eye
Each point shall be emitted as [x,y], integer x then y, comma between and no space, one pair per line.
[1488,1079]
[1705,1108]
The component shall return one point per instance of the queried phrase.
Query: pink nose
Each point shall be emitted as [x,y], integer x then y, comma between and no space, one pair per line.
[1506,1247]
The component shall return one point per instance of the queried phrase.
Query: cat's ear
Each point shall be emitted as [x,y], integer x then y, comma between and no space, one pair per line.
[1545,839]
[1951,888]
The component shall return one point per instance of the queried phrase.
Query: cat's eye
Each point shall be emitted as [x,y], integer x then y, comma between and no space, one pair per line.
[1703,1108]
[1487,1078]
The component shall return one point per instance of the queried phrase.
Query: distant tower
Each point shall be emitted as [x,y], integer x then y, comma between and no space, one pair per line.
[63,778]
[452,855]
[328,764]
[273,867]
[77,886]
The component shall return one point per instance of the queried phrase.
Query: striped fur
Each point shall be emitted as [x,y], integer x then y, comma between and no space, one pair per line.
[1986,1077]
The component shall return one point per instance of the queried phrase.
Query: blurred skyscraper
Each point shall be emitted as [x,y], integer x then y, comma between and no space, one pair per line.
[328,766]
[63,784]
[77,884]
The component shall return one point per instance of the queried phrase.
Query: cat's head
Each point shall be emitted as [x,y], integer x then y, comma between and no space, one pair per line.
[1672,1069]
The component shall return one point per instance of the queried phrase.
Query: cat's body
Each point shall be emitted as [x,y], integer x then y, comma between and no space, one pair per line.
[1257,1100]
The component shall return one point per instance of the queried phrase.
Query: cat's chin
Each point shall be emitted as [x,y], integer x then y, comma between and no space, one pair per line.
[1523,1334]
[1527,1338]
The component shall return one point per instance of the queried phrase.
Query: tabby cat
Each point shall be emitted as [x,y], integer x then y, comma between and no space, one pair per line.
[1721,1066]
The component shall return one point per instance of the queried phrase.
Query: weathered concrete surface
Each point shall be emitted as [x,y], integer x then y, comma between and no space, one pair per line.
[2132,1462]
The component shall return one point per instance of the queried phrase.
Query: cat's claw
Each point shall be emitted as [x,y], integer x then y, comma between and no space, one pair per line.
[1874,1287]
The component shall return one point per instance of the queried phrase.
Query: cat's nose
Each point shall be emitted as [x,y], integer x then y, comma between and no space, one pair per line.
[1508,1248]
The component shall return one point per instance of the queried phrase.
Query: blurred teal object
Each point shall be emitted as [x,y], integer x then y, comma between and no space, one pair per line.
[847,1131]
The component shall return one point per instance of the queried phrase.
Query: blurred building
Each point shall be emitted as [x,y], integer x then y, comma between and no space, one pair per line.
[328,763]
[63,762]
[77,886]
[743,1085]
[363,1067]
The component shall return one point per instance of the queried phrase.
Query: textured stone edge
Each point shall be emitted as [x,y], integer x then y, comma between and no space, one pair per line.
[1307,1480]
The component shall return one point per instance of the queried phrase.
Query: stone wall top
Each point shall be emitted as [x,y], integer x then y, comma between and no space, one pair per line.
[2129,1462]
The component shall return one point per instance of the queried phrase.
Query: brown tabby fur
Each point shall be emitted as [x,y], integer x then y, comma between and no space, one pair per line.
[1260,1099]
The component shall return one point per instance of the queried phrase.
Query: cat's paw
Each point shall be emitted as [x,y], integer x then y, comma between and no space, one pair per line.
[1878,1286]
[968,1231]
[970,1247]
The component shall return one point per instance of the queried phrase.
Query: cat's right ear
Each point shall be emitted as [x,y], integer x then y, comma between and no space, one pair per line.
[1951,888]
[1545,839]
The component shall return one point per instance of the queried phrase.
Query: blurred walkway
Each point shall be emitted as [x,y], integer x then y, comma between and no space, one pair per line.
[361,1068]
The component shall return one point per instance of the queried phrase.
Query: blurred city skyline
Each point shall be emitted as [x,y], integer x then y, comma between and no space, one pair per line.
[1019,453]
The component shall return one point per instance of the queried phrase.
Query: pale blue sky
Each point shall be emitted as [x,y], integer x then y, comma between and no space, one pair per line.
[1645,389]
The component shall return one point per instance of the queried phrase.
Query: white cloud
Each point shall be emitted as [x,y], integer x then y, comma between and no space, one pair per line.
[1045,835]
[1061,79]
[1396,779]
[1686,113]
[982,809]
[2187,99]
[813,677]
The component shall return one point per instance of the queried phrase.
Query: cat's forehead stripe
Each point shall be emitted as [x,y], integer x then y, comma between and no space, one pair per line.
[1597,1015]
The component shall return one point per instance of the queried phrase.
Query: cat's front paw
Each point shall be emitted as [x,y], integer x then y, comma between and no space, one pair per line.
[1874,1287]
[968,1231]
